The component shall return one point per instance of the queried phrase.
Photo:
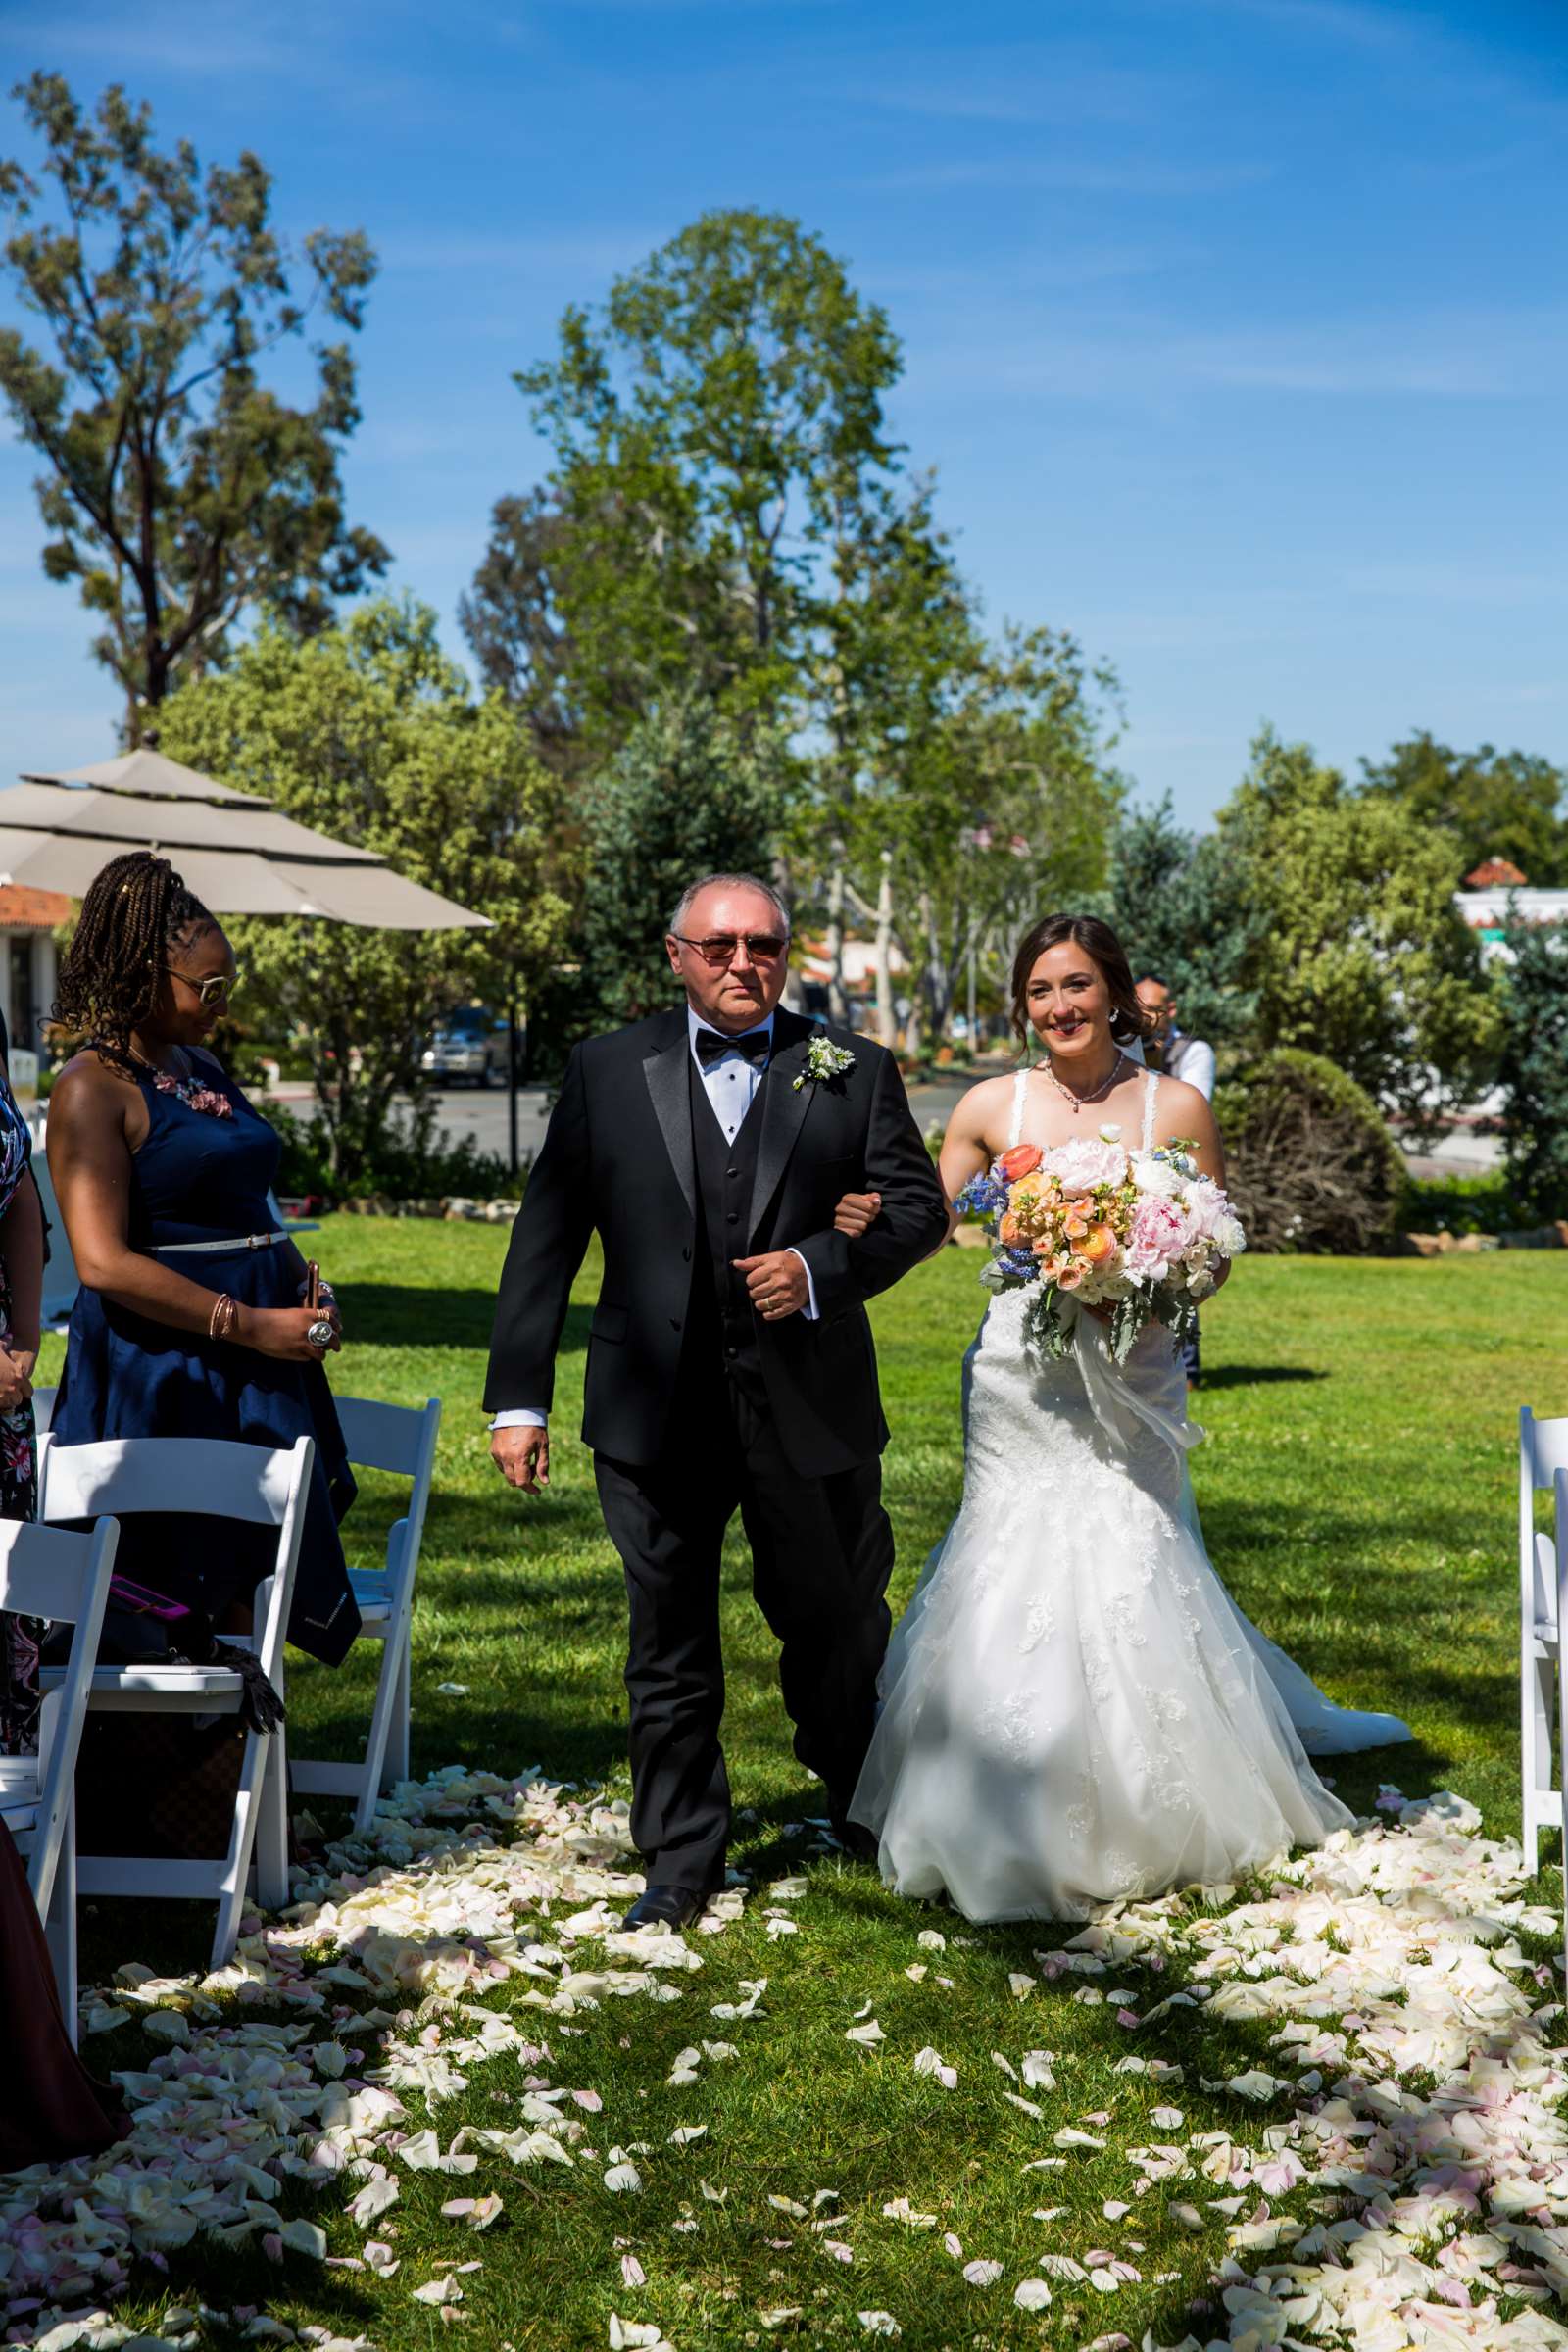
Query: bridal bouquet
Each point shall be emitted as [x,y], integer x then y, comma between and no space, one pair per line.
[1139,1233]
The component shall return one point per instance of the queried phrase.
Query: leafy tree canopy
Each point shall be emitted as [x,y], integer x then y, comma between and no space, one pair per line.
[1495,804]
[716,432]
[178,490]
[996,803]
[1362,955]
[688,794]
[367,732]
[1184,910]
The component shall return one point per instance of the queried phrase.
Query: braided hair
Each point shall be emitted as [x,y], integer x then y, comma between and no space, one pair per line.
[134,911]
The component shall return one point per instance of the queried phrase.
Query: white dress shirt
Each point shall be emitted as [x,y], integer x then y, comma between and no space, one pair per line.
[730,1082]
[1192,1060]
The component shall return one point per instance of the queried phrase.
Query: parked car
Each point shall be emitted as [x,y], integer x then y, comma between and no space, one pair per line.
[470,1046]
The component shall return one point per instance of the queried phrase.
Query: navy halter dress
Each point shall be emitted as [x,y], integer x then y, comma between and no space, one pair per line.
[200,1177]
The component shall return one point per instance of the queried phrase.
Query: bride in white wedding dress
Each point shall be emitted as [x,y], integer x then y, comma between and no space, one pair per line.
[1075,1713]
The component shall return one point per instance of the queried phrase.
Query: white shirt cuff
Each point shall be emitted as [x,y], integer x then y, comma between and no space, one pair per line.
[808,1310]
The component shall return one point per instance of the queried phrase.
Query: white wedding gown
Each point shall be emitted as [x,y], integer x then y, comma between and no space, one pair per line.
[1075,1713]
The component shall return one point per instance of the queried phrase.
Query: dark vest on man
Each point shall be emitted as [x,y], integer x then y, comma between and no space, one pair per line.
[722,1325]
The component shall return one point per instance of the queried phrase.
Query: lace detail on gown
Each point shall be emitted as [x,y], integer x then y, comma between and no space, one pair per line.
[1076,1712]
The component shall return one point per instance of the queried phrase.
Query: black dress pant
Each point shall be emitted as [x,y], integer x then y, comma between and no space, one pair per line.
[821,1556]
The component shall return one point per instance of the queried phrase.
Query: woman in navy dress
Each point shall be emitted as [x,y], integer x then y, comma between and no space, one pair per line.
[190,1321]
[20,1303]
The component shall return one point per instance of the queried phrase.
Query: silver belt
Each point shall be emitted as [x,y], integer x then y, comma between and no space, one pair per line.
[220,1249]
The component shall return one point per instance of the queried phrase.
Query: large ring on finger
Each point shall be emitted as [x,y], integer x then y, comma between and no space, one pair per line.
[319,1336]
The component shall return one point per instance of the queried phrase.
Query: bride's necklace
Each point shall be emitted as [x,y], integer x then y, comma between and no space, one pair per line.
[1074,1102]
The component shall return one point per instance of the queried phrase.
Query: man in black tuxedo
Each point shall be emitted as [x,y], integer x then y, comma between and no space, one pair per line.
[730,1362]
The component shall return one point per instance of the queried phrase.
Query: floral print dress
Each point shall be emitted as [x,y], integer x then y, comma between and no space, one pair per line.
[19,1461]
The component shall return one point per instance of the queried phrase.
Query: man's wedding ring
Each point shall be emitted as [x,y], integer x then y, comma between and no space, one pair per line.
[319,1336]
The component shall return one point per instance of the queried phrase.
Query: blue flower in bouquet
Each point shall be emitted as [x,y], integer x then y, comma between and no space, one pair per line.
[984,1196]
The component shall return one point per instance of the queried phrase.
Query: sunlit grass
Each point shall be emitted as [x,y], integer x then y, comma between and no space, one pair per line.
[1358,1494]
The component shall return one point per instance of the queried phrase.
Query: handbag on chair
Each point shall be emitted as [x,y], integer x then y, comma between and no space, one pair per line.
[163,1785]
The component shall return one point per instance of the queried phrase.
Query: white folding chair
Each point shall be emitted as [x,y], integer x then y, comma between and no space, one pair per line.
[1559,1549]
[43,1408]
[400,1439]
[223,1480]
[1542,1452]
[64,1578]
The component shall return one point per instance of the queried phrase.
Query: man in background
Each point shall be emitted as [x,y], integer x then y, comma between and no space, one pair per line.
[1169,1048]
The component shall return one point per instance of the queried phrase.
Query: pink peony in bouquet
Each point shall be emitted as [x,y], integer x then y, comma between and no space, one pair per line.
[1140,1233]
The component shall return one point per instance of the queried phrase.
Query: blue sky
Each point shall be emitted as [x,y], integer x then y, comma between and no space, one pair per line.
[1236,330]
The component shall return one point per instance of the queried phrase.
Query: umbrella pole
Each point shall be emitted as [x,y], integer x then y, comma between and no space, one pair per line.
[511,1084]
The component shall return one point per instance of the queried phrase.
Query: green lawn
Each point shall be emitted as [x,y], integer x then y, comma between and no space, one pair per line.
[1358,1494]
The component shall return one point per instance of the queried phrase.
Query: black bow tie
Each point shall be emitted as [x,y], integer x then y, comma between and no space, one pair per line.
[755,1044]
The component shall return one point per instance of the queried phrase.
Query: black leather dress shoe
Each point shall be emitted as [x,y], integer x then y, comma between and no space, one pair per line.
[665,1906]
[856,1838]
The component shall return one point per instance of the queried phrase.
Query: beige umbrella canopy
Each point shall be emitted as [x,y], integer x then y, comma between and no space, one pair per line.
[234,850]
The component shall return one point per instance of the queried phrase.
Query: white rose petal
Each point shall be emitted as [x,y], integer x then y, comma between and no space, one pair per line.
[438,2290]
[930,2061]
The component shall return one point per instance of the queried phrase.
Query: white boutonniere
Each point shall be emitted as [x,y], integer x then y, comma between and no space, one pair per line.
[823,1061]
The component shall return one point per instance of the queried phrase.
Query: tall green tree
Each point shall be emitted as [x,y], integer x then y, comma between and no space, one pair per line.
[1184,907]
[715,433]
[512,618]
[1363,956]
[368,732]
[178,489]
[1533,1066]
[689,793]
[998,804]
[1494,804]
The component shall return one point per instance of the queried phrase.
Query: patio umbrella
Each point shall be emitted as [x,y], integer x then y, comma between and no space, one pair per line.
[237,851]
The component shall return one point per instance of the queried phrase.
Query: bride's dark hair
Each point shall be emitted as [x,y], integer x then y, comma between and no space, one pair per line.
[1128,1019]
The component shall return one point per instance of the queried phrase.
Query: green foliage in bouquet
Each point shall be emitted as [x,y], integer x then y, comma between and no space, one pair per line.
[1313,1168]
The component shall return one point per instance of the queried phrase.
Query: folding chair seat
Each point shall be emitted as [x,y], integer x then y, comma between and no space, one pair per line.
[220,1479]
[400,1440]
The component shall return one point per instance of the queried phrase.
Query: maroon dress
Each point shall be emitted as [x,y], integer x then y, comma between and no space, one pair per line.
[50,2107]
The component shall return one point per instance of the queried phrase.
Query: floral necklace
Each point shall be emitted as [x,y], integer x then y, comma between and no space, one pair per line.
[188,1090]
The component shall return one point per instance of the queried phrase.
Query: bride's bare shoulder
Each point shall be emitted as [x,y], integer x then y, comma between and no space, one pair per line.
[1177,1100]
[1182,1112]
[978,1111]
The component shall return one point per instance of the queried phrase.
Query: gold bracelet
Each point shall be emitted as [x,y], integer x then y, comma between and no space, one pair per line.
[225,1315]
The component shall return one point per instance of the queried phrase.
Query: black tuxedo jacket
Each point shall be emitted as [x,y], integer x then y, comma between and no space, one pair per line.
[617,1158]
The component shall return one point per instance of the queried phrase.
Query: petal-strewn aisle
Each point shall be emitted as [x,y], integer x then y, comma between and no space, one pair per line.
[1395,2174]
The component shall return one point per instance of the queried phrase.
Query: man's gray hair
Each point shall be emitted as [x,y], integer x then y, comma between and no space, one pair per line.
[693,891]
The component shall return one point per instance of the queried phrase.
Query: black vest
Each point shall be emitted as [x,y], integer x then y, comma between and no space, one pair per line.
[723,1317]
